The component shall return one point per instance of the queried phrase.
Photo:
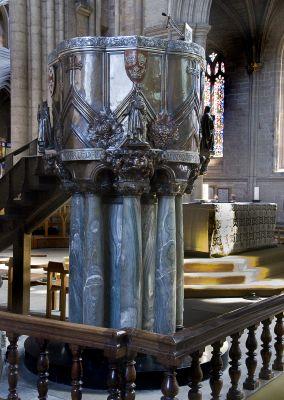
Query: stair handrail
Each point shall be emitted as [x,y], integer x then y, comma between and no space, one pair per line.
[8,160]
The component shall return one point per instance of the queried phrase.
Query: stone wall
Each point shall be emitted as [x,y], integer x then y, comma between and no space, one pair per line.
[251,115]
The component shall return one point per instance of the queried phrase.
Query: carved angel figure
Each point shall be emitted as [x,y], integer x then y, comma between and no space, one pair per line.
[45,139]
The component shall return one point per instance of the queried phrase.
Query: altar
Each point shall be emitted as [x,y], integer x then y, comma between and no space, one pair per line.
[220,229]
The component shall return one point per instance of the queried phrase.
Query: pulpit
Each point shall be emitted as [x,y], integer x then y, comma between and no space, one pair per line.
[125,144]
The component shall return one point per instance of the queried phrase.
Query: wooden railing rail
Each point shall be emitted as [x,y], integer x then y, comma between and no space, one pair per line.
[169,350]
[184,342]
[8,160]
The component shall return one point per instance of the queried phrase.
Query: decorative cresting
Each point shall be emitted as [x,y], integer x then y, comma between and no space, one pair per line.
[126,114]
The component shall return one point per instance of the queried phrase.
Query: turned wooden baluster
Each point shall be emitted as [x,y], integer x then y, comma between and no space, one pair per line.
[251,362]
[113,381]
[235,355]
[130,378]
[42,368]
[279,332]
[216,382]
[170,386]
[13,360]
[196,376]
[76,372]
[265,372]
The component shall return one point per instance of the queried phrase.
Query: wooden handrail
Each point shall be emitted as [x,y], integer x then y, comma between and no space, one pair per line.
[121,347]
[179,345]
[19,150]
[171,347]
[65,332]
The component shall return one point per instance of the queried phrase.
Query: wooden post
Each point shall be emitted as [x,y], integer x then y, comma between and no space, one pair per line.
[20,302]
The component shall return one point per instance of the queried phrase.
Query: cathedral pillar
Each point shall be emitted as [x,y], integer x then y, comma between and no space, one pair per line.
[35,71]
[19,73]
[200,34]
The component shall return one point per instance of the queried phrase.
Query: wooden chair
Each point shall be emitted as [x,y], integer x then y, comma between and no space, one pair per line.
[57,280]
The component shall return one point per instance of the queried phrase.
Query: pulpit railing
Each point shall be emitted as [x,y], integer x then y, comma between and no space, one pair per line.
[121,347]
[7,162]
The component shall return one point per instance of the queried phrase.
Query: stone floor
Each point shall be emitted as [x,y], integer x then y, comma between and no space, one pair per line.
[196,311]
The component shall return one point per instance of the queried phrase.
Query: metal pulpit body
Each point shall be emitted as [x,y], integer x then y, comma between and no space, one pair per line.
[126,116]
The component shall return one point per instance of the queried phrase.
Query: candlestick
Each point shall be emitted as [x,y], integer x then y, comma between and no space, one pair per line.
[256,193]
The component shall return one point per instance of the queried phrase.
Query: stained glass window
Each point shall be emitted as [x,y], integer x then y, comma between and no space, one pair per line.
[214,97]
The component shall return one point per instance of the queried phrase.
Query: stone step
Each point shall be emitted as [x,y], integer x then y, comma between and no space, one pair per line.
[214,278]
[215,265]
[263,288]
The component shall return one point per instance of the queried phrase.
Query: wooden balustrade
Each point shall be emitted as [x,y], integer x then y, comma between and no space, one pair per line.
[121,347]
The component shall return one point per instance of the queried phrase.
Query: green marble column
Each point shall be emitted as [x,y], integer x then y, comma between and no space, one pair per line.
[166,277]
[149,234]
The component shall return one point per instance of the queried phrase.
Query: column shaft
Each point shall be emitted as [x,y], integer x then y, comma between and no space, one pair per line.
[149,233]
[180,261]
[19,73]
[93,290]
[35,70]
[77,259]
[113,256]
[165,292]
[131,264]
[59,22]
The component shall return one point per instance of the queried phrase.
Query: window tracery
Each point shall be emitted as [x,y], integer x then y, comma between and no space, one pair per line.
[214,97]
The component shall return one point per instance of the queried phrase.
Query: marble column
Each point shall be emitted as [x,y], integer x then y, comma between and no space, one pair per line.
[93,274]
[180,262]
[77,259]
[131,264]
[165,291]
[149,234]
[114,211]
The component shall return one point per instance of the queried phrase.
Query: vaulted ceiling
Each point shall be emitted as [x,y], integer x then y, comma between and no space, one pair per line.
[247,22]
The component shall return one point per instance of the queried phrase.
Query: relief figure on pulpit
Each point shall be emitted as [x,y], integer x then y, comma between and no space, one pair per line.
[44,128]
[207,139]
[137,118]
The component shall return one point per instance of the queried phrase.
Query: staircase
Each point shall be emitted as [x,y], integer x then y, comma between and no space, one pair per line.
[27,196]
[258,272]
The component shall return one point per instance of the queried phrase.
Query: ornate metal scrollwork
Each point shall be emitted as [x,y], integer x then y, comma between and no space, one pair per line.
[163,131]
[106,131]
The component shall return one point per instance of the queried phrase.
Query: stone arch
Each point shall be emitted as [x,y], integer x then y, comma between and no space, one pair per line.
[192,11]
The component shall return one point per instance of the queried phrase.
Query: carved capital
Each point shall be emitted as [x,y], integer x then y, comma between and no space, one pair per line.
[133,169]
